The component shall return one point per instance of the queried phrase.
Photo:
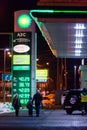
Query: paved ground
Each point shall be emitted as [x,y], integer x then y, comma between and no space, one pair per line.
[48,120]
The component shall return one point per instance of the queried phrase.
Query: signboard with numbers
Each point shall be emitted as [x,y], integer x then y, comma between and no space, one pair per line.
[22,85]
[21,65]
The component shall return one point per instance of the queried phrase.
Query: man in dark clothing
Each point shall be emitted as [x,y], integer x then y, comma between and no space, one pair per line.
[37,98]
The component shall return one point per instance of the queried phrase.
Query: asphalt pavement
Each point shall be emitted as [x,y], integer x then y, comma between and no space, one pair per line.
[48,120]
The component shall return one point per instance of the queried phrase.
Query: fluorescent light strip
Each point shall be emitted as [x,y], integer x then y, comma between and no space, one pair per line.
[78,46]
[58,11]
[78,40]
[77,51]
[79,33]
[80,26]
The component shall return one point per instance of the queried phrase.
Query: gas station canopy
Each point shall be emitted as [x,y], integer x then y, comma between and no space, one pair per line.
[64,30]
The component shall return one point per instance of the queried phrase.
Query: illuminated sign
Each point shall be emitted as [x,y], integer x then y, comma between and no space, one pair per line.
[41,75]
[21,42]
[21,85]
[21,59]
[21,66]
[24,21]
[21,48]
[6,77]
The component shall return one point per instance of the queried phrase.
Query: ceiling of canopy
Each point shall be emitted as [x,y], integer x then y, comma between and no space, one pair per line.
[67,38]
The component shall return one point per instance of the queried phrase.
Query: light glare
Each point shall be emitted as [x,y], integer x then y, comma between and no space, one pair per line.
[78,46]
[79,33]
[78,40]
[80,26]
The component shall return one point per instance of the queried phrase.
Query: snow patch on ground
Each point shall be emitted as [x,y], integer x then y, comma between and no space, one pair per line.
[6,107]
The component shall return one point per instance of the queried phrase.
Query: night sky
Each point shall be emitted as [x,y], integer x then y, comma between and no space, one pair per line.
[7,8]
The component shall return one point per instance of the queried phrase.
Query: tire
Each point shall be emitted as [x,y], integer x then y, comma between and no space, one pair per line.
[69,111]
[73,100]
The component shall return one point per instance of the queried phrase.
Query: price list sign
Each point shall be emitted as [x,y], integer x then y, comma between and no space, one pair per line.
[21,66]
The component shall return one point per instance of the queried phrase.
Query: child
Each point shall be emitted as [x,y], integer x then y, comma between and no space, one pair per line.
[30,107]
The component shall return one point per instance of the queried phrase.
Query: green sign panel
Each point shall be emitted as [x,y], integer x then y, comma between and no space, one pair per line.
[22,85]
[21,66]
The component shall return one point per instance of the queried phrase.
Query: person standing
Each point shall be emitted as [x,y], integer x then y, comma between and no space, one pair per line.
[16,104]
[84,101]
[38,99]
[30,107]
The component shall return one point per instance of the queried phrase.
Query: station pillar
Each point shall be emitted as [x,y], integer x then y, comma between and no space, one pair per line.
[24,56]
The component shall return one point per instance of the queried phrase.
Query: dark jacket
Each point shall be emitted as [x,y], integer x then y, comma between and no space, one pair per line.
[29,105]
[37,98]
[16,103]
